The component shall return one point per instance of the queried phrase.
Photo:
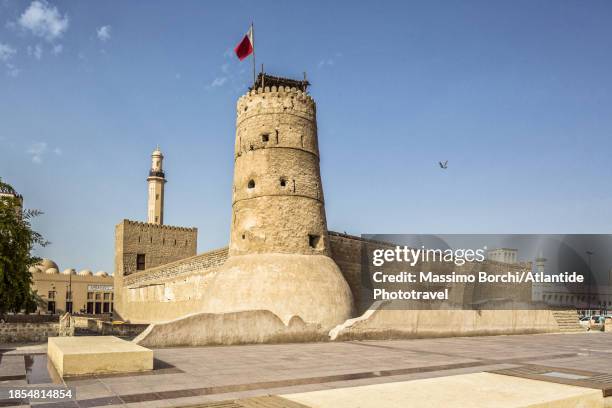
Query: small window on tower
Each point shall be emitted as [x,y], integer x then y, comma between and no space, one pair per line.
[283,182]
[265,137]
[140,262]
[251,183]
[157,196]
[314,241]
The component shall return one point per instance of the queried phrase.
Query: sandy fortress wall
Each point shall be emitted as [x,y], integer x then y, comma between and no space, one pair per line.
[169,291]
[172,289]
[141,246]
[352,253]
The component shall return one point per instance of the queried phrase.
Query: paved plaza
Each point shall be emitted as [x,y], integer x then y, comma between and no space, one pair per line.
[200,375]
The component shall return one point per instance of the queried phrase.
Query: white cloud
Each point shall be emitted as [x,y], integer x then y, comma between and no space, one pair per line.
[36,151]
[230,75]
[12,70]
[6,52]
[35,51]
[104,33]
[218,82]
[57,49]
[44,20]
[329,62]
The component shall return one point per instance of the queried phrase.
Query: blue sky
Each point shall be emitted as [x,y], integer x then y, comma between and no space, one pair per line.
[517,95]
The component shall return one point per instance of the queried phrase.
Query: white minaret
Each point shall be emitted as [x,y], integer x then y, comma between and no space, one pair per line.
[156,180]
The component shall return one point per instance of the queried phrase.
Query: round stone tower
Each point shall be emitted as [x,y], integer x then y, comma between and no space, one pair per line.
[277,204]
[279,252]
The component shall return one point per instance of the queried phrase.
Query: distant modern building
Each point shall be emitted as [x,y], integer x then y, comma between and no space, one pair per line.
[503,255]
[586,299]
[71,291]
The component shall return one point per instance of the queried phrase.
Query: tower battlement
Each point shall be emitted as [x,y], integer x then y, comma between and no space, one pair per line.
[264,80]
[276,99]
[158,226]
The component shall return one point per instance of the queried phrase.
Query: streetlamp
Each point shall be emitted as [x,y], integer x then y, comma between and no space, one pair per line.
[609,291]
[589,254]
[70,290]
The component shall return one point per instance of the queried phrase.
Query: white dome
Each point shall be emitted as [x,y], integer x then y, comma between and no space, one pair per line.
[47,263]
[101,273]
[69,271]
[85,272]
[51,271]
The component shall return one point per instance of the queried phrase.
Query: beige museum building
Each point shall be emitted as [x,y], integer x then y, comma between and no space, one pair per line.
[68,291]
[71,291]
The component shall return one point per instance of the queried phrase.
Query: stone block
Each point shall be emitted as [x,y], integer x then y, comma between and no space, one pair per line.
[89,355]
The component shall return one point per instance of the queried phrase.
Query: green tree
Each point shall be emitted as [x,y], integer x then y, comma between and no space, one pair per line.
[16,242]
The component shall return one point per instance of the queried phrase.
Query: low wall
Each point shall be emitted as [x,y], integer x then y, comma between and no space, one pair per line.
[110,329]
[382,324]
[82,321]
[262,326]
[27,332]
[254,326]
[29,318]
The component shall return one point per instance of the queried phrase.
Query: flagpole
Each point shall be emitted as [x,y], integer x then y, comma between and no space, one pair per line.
[253,34]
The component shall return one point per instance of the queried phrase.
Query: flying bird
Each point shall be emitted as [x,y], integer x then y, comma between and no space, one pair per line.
[443,164]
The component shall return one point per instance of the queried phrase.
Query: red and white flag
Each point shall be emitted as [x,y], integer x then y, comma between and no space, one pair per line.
[246,46]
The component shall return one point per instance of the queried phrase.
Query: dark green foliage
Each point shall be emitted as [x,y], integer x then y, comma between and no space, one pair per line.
[16,242]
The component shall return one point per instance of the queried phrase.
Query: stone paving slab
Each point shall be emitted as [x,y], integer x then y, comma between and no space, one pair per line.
[485,390]
[12,368]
